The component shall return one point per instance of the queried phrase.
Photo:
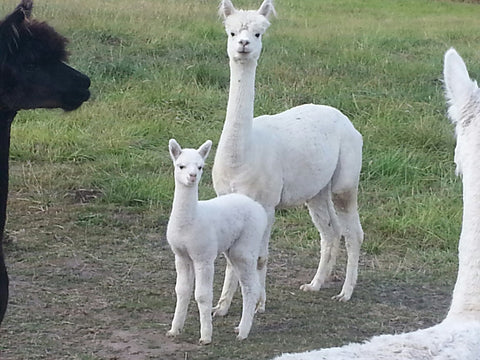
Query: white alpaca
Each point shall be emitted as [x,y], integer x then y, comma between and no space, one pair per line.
[199,230]
[458,336]
[310,154]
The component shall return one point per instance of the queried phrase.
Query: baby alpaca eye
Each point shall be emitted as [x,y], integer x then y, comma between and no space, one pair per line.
[181,167]
[232,33]
[200,168]
[257,35]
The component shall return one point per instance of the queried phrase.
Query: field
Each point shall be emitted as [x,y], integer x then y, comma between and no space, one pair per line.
[92,276]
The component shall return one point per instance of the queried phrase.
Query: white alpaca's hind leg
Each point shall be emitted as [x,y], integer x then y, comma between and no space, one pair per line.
[346,206]
[324,217]
[183,289]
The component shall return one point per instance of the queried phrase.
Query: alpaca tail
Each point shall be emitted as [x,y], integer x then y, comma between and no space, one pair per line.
[459,88]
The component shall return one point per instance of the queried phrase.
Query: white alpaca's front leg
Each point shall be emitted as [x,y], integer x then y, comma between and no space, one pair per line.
[263,259]
[230,285]
[183,289]
[204,297]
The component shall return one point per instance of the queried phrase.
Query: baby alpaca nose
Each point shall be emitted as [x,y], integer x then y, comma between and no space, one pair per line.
[244,42]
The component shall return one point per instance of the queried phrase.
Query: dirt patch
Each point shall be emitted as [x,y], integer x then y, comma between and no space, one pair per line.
[139,345]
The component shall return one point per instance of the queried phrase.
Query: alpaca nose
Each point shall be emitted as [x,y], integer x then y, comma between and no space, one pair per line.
[244,42]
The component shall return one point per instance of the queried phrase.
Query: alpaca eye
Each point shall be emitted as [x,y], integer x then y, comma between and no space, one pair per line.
[199,168]
[257,35]
[232,33]
[181,167]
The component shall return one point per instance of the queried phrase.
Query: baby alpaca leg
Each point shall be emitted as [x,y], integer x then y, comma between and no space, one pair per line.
[229,288]
[183,289]
[204,297]
[324,217]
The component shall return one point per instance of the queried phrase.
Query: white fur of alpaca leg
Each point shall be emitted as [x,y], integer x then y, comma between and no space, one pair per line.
[198,231]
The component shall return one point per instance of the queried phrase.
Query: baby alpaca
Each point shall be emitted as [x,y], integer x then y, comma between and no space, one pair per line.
[199,230]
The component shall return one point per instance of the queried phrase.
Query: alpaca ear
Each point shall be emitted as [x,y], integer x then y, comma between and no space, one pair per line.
[204,150]
[26,6]
[9,30]
[458,85]
[226,9]
[267,9]
[175,149]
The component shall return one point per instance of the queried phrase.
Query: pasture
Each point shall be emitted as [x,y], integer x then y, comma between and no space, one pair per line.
[92,276]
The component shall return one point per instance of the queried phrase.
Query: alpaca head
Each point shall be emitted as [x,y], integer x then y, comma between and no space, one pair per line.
[245,29]
[188,163]
[33,73]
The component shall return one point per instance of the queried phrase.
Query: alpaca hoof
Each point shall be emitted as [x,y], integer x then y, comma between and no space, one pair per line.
[309,287]
[206,341]
[341,297]
[219,311]
[242,335]
[172,333]
[260,309]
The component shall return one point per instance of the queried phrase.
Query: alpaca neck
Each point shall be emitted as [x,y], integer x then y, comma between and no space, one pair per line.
[6,118]
[185,202]
[466,295]
[236,134]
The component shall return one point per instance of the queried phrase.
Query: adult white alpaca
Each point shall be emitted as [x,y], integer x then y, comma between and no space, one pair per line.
[310,154]
[199,230]
[458,336]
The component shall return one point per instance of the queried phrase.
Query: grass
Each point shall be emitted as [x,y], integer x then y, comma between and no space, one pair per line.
[92,274]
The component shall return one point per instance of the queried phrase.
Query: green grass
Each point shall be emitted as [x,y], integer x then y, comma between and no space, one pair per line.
[92,275]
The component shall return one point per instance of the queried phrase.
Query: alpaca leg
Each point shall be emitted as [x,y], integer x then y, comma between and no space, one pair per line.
[204,297]
[346,205]
[246,268]
[230,285]
[324,217]
[263,259]
[183,289]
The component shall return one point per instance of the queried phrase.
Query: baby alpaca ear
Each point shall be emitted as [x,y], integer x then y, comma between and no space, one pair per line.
[226,9]
[175,149]
[204,150]
[266,9]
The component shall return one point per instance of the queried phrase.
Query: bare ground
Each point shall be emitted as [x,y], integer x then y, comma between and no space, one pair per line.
[90,281]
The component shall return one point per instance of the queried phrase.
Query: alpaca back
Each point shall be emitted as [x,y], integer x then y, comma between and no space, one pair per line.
[229,217]
[308,141]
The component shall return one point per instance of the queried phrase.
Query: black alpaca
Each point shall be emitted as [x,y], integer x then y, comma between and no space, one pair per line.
[33,74]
